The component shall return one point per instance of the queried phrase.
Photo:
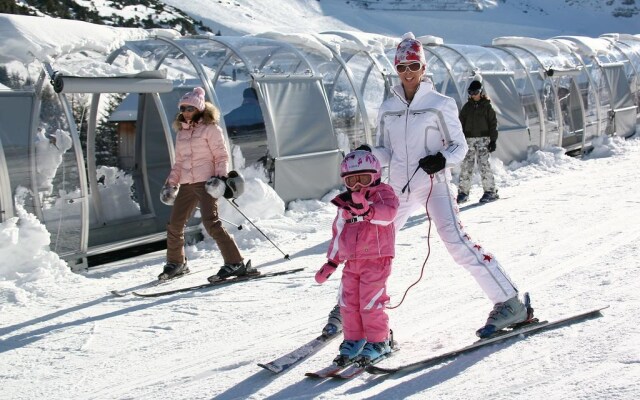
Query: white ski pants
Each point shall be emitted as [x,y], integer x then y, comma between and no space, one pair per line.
[444,213]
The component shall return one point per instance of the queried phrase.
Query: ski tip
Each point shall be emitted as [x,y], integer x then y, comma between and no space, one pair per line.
[270,368]
[598,311]
[376,370]
[118,293]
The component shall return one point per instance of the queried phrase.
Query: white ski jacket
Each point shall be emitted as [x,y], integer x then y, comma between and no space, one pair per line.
[408,132]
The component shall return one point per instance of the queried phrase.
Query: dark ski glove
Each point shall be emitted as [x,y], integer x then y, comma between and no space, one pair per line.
[432,164]
[343,200]
[492,146]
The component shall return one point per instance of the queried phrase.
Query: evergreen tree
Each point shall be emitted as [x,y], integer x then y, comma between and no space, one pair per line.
[4,76]
[107,133]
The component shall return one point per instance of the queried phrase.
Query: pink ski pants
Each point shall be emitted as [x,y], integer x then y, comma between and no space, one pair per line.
[363,297]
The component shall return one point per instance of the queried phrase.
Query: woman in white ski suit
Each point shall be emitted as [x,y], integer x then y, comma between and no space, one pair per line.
[410,128]
[407,133]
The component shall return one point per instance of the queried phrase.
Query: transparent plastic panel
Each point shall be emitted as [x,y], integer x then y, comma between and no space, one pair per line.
[58,177]
[14,134]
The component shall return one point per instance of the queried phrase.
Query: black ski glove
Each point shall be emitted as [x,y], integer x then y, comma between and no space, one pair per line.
[343,200]
[432,164]
[492,146]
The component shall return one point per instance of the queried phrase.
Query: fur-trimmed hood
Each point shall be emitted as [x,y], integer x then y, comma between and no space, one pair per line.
[210,115]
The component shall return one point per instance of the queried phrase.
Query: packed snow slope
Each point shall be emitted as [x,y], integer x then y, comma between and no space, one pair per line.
[567,230]
[540,19]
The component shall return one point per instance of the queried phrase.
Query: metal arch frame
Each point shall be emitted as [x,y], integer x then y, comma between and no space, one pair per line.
[211,93]
[636,69]
[577,58]
[596,93]
[347,35]
[6,200]
[543,128]
[374,61]
[347,72]
[601,65]
[202,76]
[447,66]
[77,146]
[166,126]
[466,59]
[558,111]
[358,93]
[35,117]
[163,119]
[280,45]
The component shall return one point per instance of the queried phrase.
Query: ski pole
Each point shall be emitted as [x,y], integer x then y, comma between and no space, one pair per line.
[286,256]
[231,223]
[409,181]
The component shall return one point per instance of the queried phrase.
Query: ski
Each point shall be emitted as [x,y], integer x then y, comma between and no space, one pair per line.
[221,282]
[288,360]
[499,336]
[328,371]
[355,369]
[152,284]
[348,370]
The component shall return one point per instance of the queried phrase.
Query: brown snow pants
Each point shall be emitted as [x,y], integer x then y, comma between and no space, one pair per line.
[188,198]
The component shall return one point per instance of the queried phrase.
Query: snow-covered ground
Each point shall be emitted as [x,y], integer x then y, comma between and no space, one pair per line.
[567,230]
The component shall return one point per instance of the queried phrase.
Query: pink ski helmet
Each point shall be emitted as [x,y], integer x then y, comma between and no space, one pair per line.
[360,162]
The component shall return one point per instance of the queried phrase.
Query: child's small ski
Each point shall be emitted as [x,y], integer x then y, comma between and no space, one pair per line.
[356,369]
[328,372]
[290,359]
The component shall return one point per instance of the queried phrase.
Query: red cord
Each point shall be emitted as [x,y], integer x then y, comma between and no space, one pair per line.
[428,249]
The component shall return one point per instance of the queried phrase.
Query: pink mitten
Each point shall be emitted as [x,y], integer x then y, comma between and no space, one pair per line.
[360,204]
[325,272]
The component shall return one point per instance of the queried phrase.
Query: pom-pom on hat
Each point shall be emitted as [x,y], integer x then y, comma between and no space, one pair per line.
[194,98]
[409,50]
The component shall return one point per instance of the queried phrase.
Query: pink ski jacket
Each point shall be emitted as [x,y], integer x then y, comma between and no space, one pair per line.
[201,152]
[372,236]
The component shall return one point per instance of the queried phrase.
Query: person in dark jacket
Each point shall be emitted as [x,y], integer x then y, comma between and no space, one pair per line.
[480,127]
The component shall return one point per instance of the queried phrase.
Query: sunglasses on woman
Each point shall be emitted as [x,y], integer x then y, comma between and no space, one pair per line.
[187,109]
[413,67]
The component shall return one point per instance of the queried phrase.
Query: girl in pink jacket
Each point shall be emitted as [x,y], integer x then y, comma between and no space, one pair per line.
[363,238]
[201,153]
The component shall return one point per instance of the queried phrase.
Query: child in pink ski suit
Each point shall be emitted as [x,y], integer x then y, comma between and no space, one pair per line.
[364,238]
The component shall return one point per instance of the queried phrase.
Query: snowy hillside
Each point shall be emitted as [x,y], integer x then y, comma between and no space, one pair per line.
[482,21]
[533,18]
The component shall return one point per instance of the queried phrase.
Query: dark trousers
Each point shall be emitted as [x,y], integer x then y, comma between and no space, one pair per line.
[186,202]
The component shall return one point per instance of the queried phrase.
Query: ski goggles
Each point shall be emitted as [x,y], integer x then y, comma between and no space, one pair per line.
[363,179]
[413,67]
[474,92]
[188,109]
